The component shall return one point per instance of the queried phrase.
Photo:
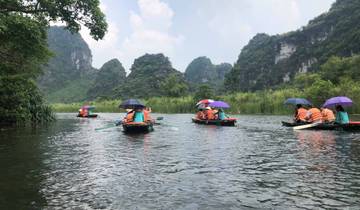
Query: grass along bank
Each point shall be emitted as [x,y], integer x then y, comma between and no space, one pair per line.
[263,102]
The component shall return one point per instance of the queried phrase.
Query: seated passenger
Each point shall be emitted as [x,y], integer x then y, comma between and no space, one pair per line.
[327,115]
[300,114]
[139,115]
[342,117]
[209,114]
[221,114]
[147,117]
[200,115]
[313,115]
[129,115]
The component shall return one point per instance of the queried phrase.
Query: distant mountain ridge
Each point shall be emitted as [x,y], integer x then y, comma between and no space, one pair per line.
[202,71]
[268,61]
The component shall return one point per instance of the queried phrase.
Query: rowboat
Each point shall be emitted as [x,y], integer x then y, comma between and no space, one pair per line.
[88,116]
[138,127]
[352,126]
[225,122]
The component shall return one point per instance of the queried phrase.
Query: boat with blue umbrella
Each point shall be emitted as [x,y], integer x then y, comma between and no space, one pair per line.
[129,124]
[219,119]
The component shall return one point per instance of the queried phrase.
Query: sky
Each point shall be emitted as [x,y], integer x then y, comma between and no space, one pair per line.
[186,29]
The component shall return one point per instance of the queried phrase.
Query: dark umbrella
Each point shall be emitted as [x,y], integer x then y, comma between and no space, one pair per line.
[131,104]
[339,100]
[219,104]
[295,101]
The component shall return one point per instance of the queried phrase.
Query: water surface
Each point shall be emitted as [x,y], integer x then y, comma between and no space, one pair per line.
[181,165]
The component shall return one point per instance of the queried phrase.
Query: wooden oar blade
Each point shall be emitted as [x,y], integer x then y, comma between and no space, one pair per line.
[301,127]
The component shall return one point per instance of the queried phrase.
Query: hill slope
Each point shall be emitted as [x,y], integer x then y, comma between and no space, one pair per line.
[268,61]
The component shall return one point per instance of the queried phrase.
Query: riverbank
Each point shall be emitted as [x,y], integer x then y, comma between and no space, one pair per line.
[264,102]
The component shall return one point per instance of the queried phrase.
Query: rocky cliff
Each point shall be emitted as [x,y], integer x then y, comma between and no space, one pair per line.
[268,61]
[69,72]
[202,71]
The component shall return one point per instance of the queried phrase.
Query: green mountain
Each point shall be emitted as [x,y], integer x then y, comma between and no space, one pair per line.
[69,74]
[148,76]
[111,75]
[202,71]
[269,61]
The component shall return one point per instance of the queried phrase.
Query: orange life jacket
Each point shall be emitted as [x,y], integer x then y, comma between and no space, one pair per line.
[147,116]
[328,115]
[129,116]
[315,114]
[301,114]
[200,115]
[210,114]
[81,112]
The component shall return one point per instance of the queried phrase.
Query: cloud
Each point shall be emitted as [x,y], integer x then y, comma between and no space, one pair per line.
[150,31]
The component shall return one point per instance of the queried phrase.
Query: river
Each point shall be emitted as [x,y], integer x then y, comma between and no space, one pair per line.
[259,164]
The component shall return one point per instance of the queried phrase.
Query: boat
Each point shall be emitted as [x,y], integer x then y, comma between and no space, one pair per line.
[88,116]
[225,122]
[352,126]
[138,127]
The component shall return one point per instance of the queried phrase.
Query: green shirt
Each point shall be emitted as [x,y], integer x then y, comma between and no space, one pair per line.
[342,118]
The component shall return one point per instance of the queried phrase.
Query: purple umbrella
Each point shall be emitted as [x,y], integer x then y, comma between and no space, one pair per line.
[340,100]
[219,104]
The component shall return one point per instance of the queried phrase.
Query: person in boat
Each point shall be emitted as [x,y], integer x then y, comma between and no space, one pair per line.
[138,115]
[327,115]
[209,114]
[129,117]
[313,115]
[147,117]
[342,116]
[300,114]
[221,114]
[200,114]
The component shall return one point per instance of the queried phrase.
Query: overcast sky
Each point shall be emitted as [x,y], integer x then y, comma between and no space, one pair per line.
[186,29]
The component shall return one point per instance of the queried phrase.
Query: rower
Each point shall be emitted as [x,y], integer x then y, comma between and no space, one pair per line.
[342,116]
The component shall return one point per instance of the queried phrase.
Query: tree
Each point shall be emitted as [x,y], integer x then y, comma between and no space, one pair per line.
[72,12]
[23,50]
[204,92]
[174,86]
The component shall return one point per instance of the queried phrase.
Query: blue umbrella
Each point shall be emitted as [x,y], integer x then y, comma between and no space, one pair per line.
[340,100]
[295,101]
[131,104]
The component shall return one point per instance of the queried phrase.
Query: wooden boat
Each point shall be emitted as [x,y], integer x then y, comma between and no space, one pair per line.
[226,122]
[88,116]
[142,127]
[352,126]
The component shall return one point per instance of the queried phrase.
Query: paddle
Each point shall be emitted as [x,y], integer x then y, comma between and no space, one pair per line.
[300,127]
[117,123]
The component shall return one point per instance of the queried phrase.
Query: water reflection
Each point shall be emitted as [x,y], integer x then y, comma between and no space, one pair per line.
[181,165]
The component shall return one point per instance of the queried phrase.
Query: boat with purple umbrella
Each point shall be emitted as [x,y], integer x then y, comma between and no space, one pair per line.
[219,118]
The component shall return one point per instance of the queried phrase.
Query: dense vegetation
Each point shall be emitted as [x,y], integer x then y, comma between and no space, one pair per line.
[23,51]
[338,76]
[268,61]
[202,71]
[149,77]
[112,74]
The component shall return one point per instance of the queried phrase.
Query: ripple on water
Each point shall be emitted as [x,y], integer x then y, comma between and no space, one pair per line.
[256,165]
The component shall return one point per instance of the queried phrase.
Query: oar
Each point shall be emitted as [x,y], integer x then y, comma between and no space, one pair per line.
[306,126]
[117,123]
